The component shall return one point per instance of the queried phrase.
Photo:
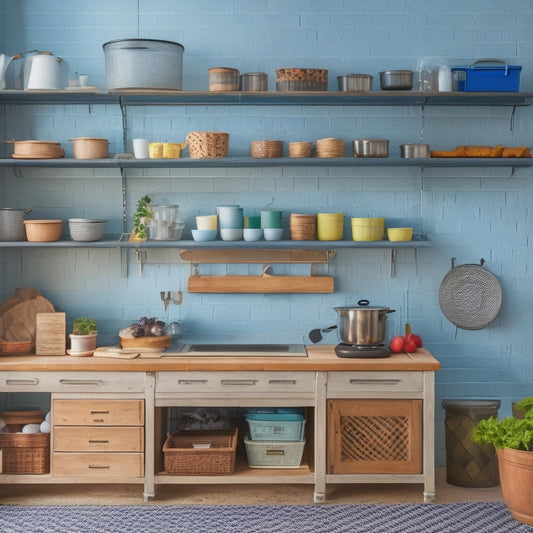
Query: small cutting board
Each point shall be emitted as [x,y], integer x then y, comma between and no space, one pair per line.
[51,336]
[113,351]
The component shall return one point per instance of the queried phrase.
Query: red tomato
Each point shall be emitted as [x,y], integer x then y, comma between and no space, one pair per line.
[409,346]
[396,344]
[413,338]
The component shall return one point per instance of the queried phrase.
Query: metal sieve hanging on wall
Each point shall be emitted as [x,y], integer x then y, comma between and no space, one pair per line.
[470,296]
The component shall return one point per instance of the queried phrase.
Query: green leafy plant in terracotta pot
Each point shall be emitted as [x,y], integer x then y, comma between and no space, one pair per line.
[83,336]
[513,439]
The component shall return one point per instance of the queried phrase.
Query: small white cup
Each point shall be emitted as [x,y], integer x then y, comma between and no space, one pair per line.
[84,80]
[140,148]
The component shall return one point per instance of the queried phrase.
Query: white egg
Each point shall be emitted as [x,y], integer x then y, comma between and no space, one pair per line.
[48,415]
[31,428]
[45,426]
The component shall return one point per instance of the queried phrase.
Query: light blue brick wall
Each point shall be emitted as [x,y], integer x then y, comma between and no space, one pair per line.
[468,213]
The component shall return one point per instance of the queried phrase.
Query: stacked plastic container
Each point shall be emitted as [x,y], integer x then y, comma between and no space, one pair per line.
[276,439]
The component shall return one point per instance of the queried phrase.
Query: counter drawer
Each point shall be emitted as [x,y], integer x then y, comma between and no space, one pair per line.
[97,412]
[217,382]
[98,464]
[374,382]
[72,382]
[98,439]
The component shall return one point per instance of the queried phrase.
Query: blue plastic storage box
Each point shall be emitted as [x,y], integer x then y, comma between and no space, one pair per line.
[487,75]
[276,426]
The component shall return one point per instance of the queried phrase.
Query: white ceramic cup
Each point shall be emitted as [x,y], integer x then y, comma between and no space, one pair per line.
[140,148]
[84,80]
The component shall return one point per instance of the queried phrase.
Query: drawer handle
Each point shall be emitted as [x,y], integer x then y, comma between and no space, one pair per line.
[98,420]
[192,381]
[375,381]
[81,382]
[31,381]
[99,412]
[238,381]
[101,467]
[98,441]
[282,382]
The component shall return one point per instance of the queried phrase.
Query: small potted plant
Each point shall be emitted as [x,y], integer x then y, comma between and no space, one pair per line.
[83,336]
[513,439]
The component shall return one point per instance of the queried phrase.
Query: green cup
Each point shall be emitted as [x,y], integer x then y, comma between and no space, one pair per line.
[271,218]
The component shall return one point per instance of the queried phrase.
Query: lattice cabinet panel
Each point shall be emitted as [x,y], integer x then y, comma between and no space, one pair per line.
[374,436]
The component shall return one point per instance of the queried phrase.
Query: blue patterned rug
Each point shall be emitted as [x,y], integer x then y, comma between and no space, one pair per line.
[469,517]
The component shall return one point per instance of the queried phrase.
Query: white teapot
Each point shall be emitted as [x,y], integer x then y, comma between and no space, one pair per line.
[45,71]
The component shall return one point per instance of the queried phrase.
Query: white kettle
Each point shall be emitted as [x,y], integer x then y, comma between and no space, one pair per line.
[45,71]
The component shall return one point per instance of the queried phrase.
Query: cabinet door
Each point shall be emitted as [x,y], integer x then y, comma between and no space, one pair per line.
[374,436]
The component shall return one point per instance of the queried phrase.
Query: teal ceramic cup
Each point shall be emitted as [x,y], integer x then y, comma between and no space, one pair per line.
[270,218]
[252,222]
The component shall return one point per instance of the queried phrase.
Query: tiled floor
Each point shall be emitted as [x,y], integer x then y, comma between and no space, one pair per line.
[239,494]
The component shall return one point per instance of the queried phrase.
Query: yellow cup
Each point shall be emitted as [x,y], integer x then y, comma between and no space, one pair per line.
[330,226]
[155,150]
[368,229]
[172,150]
[207,222]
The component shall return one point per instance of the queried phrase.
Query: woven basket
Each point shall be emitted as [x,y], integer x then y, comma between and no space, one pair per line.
[303,227]
[266,149]
[90,148]
[300,149]
[207,144]
[25,453]
[184,453]
[330,147]
[301,79]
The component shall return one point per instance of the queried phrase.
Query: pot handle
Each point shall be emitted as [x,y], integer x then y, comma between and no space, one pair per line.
[391,311]
[26,211]
[363,302]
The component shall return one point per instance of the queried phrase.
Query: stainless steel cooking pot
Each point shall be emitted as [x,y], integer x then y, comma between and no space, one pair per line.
[364,325]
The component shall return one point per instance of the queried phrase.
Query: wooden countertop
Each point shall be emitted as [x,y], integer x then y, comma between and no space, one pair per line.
[320,358]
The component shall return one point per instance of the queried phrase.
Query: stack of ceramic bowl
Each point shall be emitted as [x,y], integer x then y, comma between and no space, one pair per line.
[206,228]
[303,227]
[230,222]
[330,226]
[271,222]
[252,229]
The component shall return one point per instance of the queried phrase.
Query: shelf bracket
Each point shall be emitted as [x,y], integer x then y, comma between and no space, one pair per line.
[141,256]
[124,262]
[393,263]
[511,124]
[124,123]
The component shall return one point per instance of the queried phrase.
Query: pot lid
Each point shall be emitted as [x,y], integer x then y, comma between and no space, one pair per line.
[362,304]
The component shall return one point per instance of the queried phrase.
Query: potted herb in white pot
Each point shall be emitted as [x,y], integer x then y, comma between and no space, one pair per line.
[83,336]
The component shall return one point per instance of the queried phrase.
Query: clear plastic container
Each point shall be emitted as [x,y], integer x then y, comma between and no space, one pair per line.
[165,224]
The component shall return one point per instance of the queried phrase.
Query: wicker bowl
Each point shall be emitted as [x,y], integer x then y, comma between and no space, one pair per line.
[86,229]
[207,144]
[158,343]
[301,79]
[43,230]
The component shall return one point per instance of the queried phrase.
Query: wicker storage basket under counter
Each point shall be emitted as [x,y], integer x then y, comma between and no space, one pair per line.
[202,452]
[25,453]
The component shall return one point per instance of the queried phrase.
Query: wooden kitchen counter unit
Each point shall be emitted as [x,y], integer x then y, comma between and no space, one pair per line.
[320,358]
[339,396]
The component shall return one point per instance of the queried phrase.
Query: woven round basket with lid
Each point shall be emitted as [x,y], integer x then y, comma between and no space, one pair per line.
[207,144]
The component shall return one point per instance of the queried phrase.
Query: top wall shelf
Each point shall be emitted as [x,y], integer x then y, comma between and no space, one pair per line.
[372,98]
